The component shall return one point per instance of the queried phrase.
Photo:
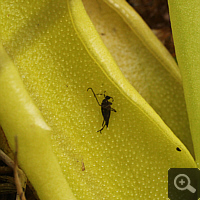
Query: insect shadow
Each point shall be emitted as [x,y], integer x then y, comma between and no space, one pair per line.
[105,108]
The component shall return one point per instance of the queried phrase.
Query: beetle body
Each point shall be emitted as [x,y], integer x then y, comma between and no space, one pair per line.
[105,109]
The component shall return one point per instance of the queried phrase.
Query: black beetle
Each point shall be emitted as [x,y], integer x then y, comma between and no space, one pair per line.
[105,108]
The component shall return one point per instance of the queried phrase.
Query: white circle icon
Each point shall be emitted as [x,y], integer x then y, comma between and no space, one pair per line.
[182,182]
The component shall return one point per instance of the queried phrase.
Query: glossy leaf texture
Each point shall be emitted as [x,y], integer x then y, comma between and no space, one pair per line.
[54,54]
[144,61]
[185,17]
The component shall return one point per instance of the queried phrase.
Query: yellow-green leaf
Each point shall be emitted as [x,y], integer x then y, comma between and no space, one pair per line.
[144,61]
[185,17]
[59,54]
[19,116]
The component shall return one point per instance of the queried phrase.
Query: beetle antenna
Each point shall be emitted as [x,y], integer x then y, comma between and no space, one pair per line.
[94,95]
[102,94]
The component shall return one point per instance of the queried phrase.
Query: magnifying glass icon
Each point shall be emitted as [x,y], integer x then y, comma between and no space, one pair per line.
[182,182]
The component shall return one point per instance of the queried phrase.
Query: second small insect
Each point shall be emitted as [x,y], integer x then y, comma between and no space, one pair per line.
[105,108]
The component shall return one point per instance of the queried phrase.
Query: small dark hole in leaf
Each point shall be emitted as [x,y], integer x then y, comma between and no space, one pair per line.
[178,149]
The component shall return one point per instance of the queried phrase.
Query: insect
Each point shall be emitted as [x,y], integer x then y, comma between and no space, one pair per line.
[105,108]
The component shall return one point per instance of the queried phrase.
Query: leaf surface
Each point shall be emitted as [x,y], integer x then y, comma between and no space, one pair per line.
[58,55]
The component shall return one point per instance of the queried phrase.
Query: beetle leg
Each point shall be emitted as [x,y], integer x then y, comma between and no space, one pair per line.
[103,125]
[112,109]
